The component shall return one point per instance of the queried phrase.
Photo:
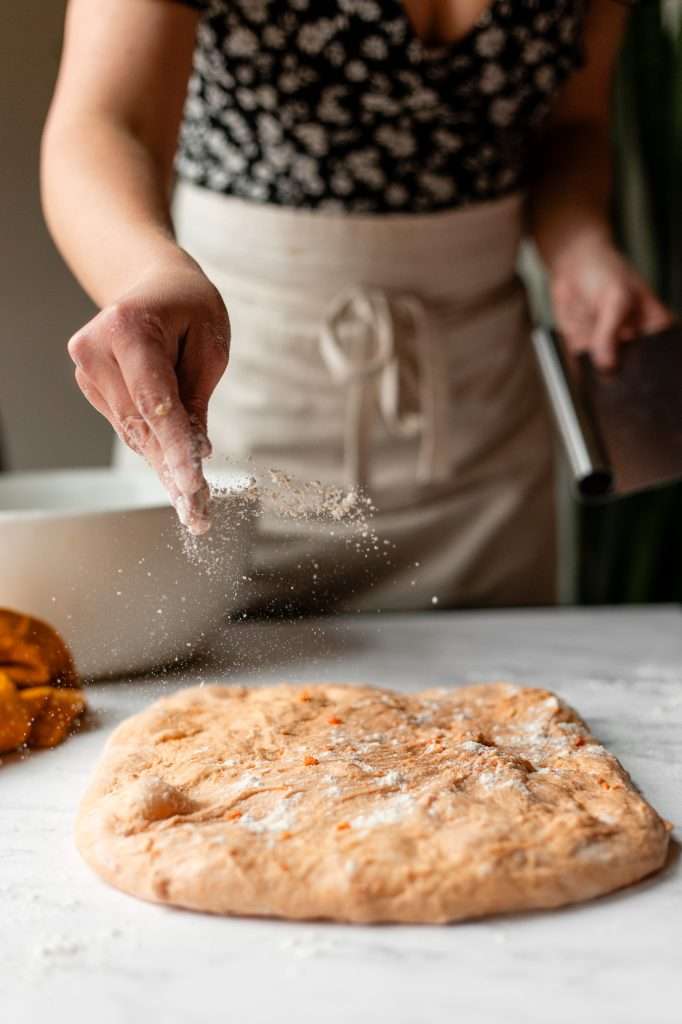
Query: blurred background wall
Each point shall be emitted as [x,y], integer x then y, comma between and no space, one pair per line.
[45,422]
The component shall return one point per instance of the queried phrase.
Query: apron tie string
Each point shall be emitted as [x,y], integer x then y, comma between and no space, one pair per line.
[360,348]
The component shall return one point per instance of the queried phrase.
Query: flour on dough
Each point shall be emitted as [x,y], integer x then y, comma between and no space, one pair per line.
[360,804]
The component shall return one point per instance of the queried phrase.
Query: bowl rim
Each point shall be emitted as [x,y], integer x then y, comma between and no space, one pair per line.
[154,504]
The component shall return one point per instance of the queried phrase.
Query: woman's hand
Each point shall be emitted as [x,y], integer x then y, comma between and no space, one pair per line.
[601,301]
[149,363]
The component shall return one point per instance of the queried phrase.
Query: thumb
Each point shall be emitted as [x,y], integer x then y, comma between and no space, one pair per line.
[654,316]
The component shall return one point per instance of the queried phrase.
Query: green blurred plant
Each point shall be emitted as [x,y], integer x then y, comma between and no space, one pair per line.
[631,551]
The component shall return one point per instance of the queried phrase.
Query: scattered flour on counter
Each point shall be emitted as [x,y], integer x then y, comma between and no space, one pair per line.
[651,672]
[310,944]
[58,948]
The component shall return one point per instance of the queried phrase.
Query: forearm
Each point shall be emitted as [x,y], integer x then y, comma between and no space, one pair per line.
[599,300]
[106,201]
[570,193]
[150,359]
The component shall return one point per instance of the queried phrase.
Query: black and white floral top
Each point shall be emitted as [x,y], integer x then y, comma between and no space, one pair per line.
[339,105]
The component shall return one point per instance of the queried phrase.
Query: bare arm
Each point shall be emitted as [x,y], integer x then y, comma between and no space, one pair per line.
[110,137]
[599,299]
[150,360]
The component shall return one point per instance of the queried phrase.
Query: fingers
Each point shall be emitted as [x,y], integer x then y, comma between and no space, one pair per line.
[625,315]
[655,316]
[97,375]
[202,363]
[612,315]
[601,301]
[174,449]
[150,366]
[143,386]
[592,327]
[142,442]
[94,395]
[574,316]
[133,384]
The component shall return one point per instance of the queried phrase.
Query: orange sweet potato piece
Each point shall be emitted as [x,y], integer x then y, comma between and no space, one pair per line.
[34,654]
[39,701]
[35,699]
[55,719]
[15,718]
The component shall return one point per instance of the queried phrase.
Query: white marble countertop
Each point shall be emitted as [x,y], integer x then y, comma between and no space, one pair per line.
[73,950]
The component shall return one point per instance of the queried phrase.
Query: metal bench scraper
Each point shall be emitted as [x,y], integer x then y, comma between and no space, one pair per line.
[622,431]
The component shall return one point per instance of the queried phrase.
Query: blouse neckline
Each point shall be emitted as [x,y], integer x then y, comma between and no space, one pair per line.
[437,50]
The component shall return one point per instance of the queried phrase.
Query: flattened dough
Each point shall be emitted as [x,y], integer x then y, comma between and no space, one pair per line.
[360,804]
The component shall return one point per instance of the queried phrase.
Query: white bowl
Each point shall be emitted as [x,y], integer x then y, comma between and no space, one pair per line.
[99,555]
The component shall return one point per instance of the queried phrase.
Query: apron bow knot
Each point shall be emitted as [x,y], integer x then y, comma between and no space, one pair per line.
[360,344]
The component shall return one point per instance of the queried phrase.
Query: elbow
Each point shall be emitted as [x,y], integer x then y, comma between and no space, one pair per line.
[61,148]
[51,144]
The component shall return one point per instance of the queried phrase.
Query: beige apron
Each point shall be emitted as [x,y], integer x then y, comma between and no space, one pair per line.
[390,353]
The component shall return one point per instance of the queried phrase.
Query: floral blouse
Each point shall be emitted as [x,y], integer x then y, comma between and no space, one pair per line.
[339,105]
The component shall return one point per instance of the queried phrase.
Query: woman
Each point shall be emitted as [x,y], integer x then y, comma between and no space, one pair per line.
[354,181]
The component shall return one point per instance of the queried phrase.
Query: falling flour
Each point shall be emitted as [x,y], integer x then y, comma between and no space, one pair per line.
[275,495]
